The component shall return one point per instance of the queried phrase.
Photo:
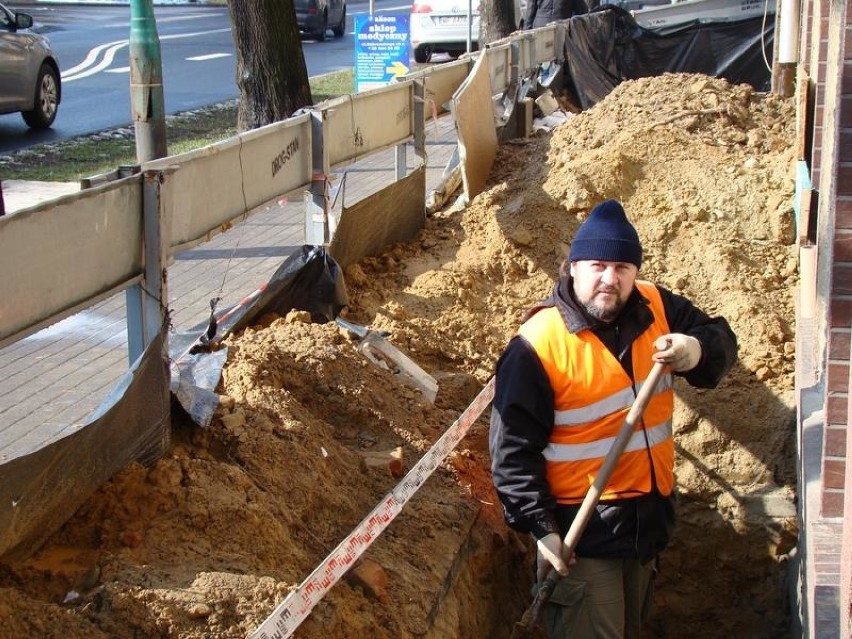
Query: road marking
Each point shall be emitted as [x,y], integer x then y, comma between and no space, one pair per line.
[182,18]
[90,65]
[209,56]
[178,36]
[118,70]
[403,7]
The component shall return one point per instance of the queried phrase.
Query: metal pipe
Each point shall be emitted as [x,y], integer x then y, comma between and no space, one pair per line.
[787,51]
[469,26]
[788,42]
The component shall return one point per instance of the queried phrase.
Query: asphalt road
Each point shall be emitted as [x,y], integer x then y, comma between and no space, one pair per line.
[198,63]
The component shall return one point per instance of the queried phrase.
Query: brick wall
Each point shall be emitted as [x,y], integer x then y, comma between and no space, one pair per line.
[837,447]
[840,305]
[826,58]
[843,207]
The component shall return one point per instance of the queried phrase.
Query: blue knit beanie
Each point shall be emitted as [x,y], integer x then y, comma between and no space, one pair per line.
[608,236]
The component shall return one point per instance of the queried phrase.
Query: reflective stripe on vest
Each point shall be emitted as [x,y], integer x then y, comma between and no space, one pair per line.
[592,396]
[599,448]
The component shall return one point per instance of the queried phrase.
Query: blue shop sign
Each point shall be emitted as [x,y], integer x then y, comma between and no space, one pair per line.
[382,50]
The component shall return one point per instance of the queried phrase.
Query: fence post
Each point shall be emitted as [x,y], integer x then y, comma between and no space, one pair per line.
[146,309]
[559,42]
[317,231]
[525,57]
[400,150]
[401,161]
[419,115]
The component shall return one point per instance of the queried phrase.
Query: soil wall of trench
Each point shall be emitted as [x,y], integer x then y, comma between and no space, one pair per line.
[207,541]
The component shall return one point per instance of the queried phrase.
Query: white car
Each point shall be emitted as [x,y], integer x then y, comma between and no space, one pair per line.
[441,26]
[29,81]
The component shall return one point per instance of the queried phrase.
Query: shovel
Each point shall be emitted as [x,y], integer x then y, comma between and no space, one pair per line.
[381,352]
[590,501]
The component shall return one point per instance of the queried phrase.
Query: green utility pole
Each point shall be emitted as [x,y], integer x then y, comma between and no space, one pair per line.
[146,83]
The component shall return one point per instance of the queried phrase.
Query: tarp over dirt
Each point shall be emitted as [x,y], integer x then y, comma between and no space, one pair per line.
[607,46]
[209,539]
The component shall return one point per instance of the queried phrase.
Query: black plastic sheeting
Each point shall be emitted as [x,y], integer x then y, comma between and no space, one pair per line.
[607,46]
[308,280]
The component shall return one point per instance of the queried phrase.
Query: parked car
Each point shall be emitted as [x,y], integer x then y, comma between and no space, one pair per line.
[29,82]
[316,17]
[440,26]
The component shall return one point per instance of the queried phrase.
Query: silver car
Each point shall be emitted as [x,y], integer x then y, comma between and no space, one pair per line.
[29,71]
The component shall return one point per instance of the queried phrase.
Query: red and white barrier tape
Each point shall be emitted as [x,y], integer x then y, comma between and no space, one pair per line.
[298,604]
[222,318]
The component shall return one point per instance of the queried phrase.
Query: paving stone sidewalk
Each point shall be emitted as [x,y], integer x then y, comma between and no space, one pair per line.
[51,381]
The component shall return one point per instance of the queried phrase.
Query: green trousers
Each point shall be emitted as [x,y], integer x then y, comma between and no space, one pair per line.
[601,599]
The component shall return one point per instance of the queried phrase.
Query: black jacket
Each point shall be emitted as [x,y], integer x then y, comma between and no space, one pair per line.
[542,12]
[522,419]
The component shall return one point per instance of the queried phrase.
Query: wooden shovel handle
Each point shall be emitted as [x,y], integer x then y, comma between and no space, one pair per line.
[593,496]
[590,501]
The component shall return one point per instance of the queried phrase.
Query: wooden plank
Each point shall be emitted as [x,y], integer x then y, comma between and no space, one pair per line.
[477,134]
[803,201]
[802,99]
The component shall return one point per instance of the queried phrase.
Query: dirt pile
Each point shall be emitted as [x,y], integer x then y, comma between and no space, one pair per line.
[205,543]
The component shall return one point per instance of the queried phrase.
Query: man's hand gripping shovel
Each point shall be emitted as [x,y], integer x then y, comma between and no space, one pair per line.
[523,628]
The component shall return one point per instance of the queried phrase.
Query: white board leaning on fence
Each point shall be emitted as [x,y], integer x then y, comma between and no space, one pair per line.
[477,135]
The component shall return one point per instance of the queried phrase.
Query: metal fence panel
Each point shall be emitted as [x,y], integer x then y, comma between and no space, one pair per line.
[67,254]
[360,124]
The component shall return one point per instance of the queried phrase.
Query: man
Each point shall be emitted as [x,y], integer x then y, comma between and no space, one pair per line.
[543,12]
[564,386]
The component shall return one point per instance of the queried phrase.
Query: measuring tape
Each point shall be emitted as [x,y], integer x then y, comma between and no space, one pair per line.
[297,606]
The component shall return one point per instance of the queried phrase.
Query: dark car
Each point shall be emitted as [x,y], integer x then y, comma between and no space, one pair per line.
[29,80]
[316,17]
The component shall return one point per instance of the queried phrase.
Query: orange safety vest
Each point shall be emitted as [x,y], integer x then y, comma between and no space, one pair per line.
[592,396]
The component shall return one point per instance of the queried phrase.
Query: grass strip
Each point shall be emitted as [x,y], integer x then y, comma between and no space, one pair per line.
[87,156]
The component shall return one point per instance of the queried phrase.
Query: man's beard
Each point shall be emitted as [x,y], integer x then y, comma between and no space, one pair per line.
[604,314]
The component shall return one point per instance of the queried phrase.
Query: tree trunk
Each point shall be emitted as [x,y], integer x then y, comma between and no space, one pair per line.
[271,72]
[497,20]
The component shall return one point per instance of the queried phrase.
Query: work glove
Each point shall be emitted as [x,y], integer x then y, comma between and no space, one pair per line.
[549,551]
[681,352]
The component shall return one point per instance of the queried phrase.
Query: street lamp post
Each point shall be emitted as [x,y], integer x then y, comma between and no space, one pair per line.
[146,83]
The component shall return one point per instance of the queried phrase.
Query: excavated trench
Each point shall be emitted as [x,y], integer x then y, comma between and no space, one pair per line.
[207,541]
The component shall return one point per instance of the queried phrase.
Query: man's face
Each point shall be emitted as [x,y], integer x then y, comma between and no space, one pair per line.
[603,287]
